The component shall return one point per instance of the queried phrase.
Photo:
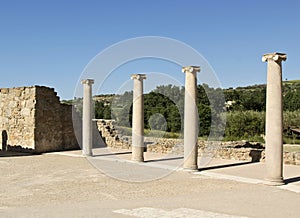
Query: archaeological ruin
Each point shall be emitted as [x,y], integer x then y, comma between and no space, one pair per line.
[33,119]
[274,118]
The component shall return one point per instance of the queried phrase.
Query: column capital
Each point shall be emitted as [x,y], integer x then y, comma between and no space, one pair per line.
[278,57]
[87,81]
[138,76]
[190,69]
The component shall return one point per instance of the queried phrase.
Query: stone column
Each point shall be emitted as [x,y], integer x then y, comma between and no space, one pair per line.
[190,118]
[87,117]
[138,118]
[274,119]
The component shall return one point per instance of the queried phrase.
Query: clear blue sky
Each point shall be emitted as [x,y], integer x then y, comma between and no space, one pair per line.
[50,42]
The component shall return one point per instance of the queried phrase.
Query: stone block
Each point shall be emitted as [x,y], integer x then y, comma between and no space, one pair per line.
[25,112]
[26,125]
[4,90]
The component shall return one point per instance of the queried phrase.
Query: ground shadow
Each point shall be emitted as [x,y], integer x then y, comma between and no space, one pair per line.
[15,154]
[4,140]
[292,180]
[12,151]
[224,166]
[255,155]
[111,154]
[164,159]
[98,140]
[250,145]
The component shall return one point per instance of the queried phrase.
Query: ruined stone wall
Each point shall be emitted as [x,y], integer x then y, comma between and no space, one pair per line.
[17,117]
[110,134]
[48,124]
[34,118]
[72,131]
[235,150]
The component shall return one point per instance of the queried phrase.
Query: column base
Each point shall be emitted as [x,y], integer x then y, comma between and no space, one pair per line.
[191,168]
[274,182]
[137,159]
[87,155]
[137,154]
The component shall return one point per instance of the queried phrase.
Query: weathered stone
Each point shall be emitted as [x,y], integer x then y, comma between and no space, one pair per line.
[4,91]
[235,150]
[25,112]
[297,158]
[87,143]
[274,119]
[138,118]
[23,119]
[190,118]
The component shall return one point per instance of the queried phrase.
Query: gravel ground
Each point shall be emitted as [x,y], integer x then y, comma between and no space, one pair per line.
[53,185]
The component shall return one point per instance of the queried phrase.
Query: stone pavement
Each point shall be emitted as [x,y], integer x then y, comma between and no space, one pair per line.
[65,184]
[241,171]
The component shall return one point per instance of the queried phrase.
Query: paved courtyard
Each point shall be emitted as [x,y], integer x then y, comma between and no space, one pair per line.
[65,184]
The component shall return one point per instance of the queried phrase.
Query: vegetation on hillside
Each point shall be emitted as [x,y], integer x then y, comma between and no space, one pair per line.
[242,110]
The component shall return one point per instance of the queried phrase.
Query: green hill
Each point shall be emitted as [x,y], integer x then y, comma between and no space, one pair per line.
[254,97]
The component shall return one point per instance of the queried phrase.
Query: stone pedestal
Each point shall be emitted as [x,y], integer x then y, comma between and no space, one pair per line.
[274,119]
[191,124]
[87,117]
[138,118]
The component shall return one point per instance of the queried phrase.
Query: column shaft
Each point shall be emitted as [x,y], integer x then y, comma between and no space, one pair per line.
[87,118]
[274,120]
[138,118]
[191,119]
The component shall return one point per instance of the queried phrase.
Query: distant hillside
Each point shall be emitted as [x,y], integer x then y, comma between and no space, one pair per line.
[292,81]
[254,97]
[286,84]
[245,110]
[106,99]
[251,97]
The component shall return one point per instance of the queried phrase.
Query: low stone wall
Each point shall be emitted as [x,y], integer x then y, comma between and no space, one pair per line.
[237,150]
[241,150]
[163,145]
[291,158]
[234,150]
[110,135]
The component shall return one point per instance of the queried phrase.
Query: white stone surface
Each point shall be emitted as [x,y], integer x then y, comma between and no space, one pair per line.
[149,212]
[87,117]
[190,118]
[274,119]
[138,118]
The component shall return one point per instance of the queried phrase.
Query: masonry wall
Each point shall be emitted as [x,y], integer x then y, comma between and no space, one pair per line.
[17,117]
[72,131]
[48,125]
[34,118]
[239,150]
